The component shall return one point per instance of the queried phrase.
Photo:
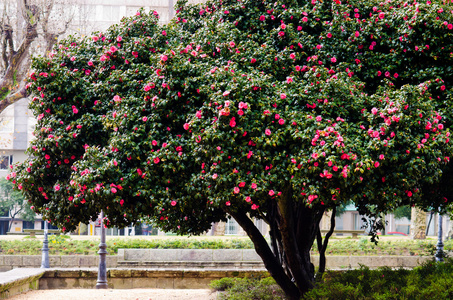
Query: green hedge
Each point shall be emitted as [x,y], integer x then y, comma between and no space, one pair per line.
[64,245]
[61,245]
[430,281]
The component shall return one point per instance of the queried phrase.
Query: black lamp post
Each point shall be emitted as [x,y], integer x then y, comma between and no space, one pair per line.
[440,246]
[102,271]
[45,249]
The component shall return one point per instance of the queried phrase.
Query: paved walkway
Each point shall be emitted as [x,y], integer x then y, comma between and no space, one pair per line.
[134,294]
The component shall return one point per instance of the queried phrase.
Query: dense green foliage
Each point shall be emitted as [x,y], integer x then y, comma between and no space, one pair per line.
[65,246]
[232,106]
[278,110]
[429,281]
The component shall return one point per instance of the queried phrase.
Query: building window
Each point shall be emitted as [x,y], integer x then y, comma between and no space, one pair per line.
[231,227]
[28,225]
[111,13]
[5,161]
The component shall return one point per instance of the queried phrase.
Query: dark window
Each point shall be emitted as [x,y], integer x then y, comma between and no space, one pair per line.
[28,225]
[5,161]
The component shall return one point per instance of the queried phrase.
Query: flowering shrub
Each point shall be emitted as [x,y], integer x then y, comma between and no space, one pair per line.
[274,110]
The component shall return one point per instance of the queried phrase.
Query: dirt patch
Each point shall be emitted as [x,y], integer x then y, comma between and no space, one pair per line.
[135,294]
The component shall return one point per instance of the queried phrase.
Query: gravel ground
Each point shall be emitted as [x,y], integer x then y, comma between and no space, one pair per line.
[135,294]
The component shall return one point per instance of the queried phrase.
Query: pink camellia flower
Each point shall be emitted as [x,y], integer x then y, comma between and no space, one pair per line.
[318,119]
[186,126]
[214,176]
[262,18]
[95,38]
[440,126]
[271,193]
[233,122]
[381,157]
[145,119]
[121,202]
[119,39]
[178,149]
[248,199]
[74,109]
[409,193]
[103,57]
[357,34]
[232,44]
[173,203]
[73,58]
[156,160]
[267,132]
[236,190]
[242,184]
[374,110]
[266,112]
[379,73]
[249,154]
[164,57]
[228,203]
[113,190]
[381,15]
[113,49]
[57,187]
[282,96]
[395,75]
[376,164]
[226,93]
[281,34]
[90,63]
[329,35]
[254,186]
[333,60]
[254,206]
[292,56]
[116,98]
[253,60]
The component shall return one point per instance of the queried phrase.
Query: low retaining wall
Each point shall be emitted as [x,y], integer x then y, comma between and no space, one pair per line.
[139,278]
[227,259]
[18,281]
[190,258]
[9,262]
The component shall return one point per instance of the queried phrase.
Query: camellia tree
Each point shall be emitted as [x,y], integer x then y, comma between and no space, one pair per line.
[273,110]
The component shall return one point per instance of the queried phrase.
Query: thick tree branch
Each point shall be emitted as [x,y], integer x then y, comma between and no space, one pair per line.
[263,250]
[13,98]
[322,246]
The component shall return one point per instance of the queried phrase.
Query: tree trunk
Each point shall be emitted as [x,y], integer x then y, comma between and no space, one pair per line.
[418,224]
[262,248]
[293,229]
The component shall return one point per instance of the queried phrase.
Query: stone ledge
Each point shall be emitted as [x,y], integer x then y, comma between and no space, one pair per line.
[140,278]
[19,280]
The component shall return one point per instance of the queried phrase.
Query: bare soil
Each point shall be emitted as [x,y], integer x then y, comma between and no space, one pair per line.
[135,294]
